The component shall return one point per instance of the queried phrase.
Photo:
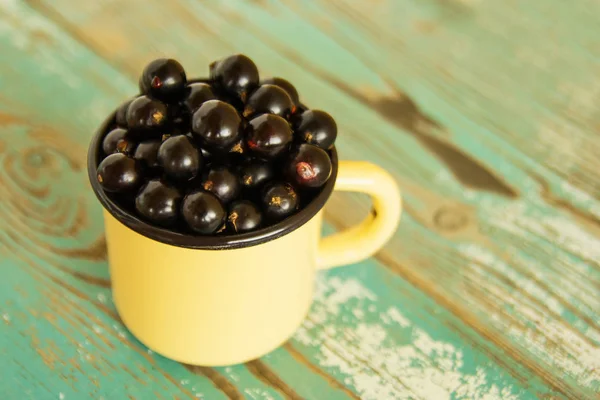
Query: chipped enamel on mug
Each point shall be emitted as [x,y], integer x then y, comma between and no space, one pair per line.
[222,300]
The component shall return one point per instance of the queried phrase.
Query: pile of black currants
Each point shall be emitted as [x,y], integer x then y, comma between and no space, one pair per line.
[224,155]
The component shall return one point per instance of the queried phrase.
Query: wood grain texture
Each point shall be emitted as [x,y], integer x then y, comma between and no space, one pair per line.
[484,112]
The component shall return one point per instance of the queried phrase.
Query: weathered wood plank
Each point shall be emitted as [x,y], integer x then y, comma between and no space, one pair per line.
[501,208]
[469,228]
[86,309]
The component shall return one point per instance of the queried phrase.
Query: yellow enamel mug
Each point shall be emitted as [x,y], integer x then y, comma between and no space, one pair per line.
[224,300]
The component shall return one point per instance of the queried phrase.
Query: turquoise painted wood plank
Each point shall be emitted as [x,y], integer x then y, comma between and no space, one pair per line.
[101,299]
[432,229]
[479,195]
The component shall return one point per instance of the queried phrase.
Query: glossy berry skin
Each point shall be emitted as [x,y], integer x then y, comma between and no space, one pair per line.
[216,125]
[229,98]
[221,182]
[117,140]
[147,153]
[179,158]
[146,113]
[197,94]
[236,74]
[270,99]
[243,216]
[205,154]
[309,166]
[316,127]
[158,203]
[268,136]
[279,200]
[254,173]
[203,212]
[119,173]
[164,79]
[285,85]
[121,113]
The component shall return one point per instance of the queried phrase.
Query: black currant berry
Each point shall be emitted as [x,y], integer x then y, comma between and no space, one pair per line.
[221,182]
[269,99]
[237,74]
[216,124]
[119,173]
[254,173]
[147,153]
[117,140]
[203,212]
[309,166]
[268,135]
[180,159]
[197,94]
[121,113]
[146,113]
[279,200]
[158,203]
[179,117]
[243,216]
[285,85]
[229,99]
[164,79]
[316,127]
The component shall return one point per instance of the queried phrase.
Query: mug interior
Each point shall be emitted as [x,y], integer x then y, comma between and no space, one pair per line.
[195,241]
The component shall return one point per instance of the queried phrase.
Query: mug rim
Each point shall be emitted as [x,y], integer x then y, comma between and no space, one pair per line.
[199,242]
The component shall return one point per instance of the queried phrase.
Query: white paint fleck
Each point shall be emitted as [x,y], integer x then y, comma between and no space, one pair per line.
[394,315]
[540,332]
[184,381]
[97,329]
[61,396]
[480,255]
[231,374]
[198,395]
[443,175]
[6,317]
[149,352]
[379,366]
[101,298]
[258,394]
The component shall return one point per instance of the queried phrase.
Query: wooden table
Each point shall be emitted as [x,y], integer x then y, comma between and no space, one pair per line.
[486,112]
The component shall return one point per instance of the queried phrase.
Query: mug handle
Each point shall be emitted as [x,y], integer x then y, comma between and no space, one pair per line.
[363,240]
